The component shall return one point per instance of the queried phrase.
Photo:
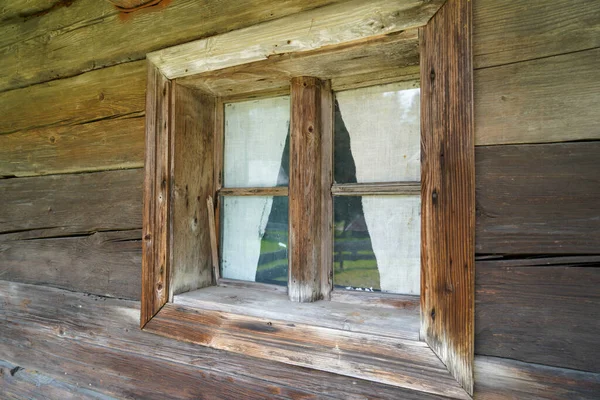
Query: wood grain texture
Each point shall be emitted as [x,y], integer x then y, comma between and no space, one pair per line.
[193,173]
[102,94]
[67,41]
[17,383]
[157,195]
[499,379]
[103,145]
[350,64]
[339,23]
[506,31]
[103,263]
[327,133]
[376,189]
[553,99]
[305,227]
[258,191]
[73,204]
[97,341]
[376,358]
[448,189]
[545,315]
[538,199]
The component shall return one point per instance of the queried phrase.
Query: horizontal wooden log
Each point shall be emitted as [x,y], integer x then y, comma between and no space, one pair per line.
[544,315]
[103,145]
[500,379]
[65,205]
[106,93]
[66,41]
[507,31]
[104,263]
[538,199]
[87,340]
[17,382]
[552,99]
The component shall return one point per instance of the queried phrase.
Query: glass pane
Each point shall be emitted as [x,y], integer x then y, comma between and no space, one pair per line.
[254,239]
[377,135]
[377,243]
[256,147]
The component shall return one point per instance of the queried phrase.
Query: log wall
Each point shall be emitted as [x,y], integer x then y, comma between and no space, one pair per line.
[71,158]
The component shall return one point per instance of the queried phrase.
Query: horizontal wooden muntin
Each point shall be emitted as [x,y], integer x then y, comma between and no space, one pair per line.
[255,191]
[376,189]
[348,45]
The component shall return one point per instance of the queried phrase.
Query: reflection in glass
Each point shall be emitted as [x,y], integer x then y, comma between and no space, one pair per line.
[380,130]
[254,238]
[377,243]
[255,137]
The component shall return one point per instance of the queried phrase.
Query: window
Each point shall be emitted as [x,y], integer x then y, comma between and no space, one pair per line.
[345,213]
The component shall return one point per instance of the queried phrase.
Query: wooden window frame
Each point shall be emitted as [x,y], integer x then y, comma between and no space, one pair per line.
[186,87]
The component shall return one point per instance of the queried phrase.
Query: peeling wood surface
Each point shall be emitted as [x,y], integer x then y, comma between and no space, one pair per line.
[193,136]
[346,65]
[538,199]
[398,322]
[507,31]
[553,99]
[73,204]
[545,315]
[408,364]
[448,189]
[67,41]
[499,379]
[88,340]
[336,24]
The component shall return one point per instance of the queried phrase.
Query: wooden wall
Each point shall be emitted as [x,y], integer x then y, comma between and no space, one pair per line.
[71,158]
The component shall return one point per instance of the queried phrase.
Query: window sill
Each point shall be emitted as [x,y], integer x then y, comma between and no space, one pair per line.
[370,338]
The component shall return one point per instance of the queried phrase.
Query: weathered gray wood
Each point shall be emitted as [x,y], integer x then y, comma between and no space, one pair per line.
[377,358]
[402,323]
[64,205]
[104,263]
[507,31]
[548,100]
[17,382]
[448,189]
[70,40]
[193,119]
[545,315]
[90,340]
[538,199]
[499,379]
[337,24]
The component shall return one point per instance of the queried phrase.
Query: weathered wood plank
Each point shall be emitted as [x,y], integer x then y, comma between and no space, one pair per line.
[448,189]
[71,321]
[351,64]
[549,100]
[17,382]
[499,379]
[64,205]
[104,263]
[106,93]
[70,40]
[538,199]
[103,145]
[543,315]
[156,219]
[193,174]
[404,363]
[376,189]
[506,31]
[336,24]
[258,191]
[305,227]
